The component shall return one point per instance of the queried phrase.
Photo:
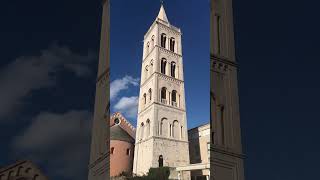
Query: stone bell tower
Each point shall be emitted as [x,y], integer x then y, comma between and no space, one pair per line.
[161,138]
[226,149]
[99,155]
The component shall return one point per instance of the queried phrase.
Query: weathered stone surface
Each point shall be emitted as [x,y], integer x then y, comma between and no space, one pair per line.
[162,122]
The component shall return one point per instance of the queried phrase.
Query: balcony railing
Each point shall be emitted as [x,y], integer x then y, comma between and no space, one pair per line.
[174,104]
[163,101]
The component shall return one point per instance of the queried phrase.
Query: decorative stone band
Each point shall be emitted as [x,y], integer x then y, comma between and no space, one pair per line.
[159,104]
[163,76]
[169,28]
[170,53]
[160,137]
[169,78]
[222,151]
[223,60]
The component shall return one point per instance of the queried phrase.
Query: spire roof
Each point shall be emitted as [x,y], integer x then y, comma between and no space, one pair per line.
[162,14]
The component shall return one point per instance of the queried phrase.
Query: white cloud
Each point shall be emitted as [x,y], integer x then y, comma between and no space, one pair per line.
[128,106]
[61,141]
[26,74]
[122,84]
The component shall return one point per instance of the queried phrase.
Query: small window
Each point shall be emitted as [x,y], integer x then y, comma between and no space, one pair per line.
[172,43]
[163,66]
[163,40]
[150,94]
[112,150]
[144,98]
[163,93]
[128,152]
[173,69]
[117,121]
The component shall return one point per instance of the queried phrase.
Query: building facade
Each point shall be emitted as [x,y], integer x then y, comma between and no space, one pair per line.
[226,148]
[161,138]
[21,170]
[122,138]
[199,150]
[99,151]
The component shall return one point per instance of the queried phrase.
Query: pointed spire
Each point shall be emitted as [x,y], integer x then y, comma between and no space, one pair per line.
[162,13]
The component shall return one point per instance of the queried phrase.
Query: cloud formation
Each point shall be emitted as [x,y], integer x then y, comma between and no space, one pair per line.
[26,74]
[122,84]
[128,106]
[60,141]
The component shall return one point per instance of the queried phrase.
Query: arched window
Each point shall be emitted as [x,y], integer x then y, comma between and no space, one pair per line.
[141,131]
[163,65]
[173,69]
[19,171]
[150,94]
[112,150]
[172,42]
[144,98]
[181,132]
[146,72]
[164,127]
[128,152]
[147,48]
[163,40]
[151,67]
[10,175]
[160,161]
[175,129]
[152,41]
[35,177]
[163,95]
[174,98]
[148,128]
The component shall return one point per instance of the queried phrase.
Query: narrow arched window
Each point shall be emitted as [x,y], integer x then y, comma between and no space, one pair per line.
[147,48]
[148,128]
[160,161]
[112,150]
[128,152]
[163,65]
[163,95]
[152,41]
[163,127]
[141,131]
[172,42]
[163,40]
[175,129]
[146,72]
[174,98]
[19,171]
[144,98]
[173,69]
[151,67]
[150,94]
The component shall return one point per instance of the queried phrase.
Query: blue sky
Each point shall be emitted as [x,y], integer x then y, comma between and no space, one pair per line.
[130,20]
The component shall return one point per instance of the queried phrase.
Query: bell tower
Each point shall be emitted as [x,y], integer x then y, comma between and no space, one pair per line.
[161,138]
[226,149]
